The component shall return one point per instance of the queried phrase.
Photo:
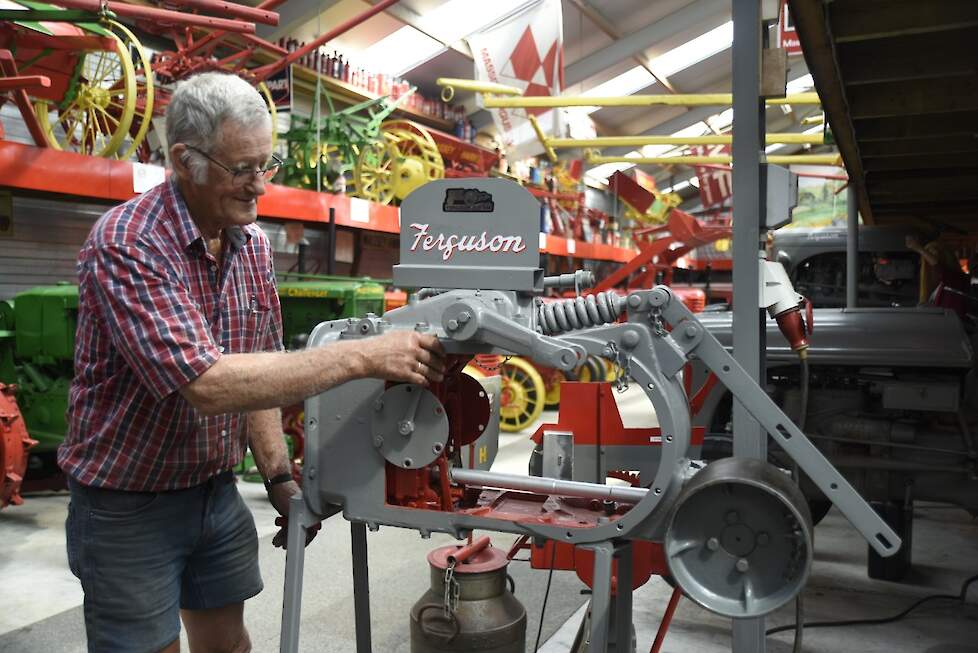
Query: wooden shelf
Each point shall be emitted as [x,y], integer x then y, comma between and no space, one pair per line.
[46,170]
[305,78]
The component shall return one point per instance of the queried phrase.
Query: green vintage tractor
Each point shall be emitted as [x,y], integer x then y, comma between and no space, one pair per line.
[37,342]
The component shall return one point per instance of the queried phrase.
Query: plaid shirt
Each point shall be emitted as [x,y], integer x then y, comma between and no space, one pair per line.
[154,313]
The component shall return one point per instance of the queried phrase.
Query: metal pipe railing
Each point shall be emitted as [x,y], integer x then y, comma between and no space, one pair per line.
[549,486]
[780,159]
[682,100]
[638,141]
[161,15]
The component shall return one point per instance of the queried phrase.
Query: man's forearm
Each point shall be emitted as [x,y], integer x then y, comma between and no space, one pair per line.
[267,442]
[255,382]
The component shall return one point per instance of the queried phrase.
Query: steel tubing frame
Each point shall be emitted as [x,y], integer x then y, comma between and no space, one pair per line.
[161,15]
[682,100]
[638,141]
[544,485]
[779,159]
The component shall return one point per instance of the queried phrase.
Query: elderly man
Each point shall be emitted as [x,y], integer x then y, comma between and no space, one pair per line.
[178,365]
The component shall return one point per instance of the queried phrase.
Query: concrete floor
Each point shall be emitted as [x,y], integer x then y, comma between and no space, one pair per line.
[43,600]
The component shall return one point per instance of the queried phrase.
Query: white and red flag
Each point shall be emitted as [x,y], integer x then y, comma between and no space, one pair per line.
[526,51]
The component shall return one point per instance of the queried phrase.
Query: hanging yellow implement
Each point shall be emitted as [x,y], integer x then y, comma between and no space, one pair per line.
[639,141]
[682,100]
[784,159]
[450,84]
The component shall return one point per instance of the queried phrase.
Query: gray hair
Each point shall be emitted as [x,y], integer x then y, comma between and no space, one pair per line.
[202,104]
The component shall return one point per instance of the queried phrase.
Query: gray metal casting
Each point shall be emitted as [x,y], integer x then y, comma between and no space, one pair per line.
[740,540]
[409,426]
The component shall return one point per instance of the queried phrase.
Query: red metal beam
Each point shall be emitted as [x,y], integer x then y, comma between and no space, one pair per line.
[24,82]
[161,15]
[9,69]
[256,14]
[267,71]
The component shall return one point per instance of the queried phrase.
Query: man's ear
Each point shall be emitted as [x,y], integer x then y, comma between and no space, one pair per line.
[177,153]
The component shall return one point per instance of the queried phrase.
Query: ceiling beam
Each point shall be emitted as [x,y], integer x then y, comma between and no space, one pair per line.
[596,17]
[964,123]
[292,15]
[413,19]
[913,97]
[915,162]
[860,20]
[695,13]
[921,146]
[904,58]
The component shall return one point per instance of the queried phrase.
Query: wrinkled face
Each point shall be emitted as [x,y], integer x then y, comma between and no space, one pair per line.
[227,199]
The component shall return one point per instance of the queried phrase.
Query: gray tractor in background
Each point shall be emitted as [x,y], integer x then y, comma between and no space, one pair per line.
[892,385]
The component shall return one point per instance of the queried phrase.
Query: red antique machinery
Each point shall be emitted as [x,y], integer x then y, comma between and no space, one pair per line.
[591,423]
[100,95]
[14,443]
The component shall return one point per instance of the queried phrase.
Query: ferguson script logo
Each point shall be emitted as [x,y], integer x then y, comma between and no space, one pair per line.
[449,244]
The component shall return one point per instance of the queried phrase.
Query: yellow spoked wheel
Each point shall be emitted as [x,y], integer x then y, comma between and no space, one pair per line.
[402,159]
[552,382]
[271,110]
[95,117]
[522,395]
[143,115]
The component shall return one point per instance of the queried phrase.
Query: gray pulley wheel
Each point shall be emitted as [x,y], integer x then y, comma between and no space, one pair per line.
[739,539]
[409,426]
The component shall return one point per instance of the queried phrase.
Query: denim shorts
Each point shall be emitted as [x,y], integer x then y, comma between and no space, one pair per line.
[143,556]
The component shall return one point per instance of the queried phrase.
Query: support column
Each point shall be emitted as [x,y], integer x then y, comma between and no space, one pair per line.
[294,559]
[852,247]
[361,586]
[749,347]
[601,596]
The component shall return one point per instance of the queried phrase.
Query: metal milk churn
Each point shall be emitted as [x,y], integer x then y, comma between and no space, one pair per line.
[468,607]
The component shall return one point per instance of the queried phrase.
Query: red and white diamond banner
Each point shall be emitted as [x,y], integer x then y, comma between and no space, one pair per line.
[525,51]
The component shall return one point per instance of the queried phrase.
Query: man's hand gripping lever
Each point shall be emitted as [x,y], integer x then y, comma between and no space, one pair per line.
[691,337]
[469,321]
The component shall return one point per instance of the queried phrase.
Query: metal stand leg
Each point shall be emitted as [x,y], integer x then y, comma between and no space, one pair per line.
[299,518]
[601,597]
[361,586]
[623,599]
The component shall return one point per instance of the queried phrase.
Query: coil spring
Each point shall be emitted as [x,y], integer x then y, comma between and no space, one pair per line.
[579,313]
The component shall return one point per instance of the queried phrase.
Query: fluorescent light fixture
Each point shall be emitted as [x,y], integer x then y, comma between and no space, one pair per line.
[774,147]
[817,129]
[679,58]
[602,172]
[694,51]
[677,187]
[408,48]
[627,83]
[803,83]
[694,182]
[401,51]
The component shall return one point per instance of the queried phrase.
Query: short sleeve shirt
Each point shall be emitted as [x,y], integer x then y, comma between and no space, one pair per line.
[155,311]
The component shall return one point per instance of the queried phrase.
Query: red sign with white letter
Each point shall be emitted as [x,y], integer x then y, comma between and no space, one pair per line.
[787,35]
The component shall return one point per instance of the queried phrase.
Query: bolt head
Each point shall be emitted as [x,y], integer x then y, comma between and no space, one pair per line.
[379,405]
[378,441]
[690,331]
[713,544]
[406,427]
[743,566]
[437,447]
[464,317]
[453,325]
[630,339]
[634,301]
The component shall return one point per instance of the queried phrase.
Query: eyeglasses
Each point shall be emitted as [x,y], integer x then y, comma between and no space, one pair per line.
[241,177]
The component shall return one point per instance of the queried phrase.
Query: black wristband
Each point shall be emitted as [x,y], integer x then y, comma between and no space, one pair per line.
[284,477]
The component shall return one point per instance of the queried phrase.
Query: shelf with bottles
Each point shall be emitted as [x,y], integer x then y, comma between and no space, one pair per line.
[358,84]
